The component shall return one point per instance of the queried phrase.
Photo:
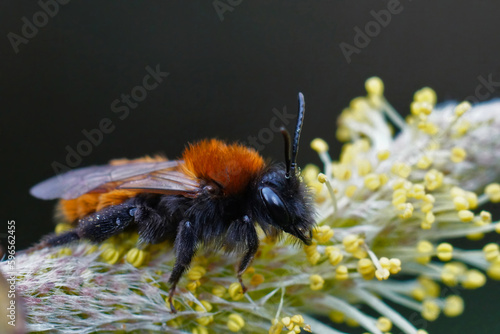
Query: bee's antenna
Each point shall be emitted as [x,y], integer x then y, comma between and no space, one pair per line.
[298,128]
[286,137]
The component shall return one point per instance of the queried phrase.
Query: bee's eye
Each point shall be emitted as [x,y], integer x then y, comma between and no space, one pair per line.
[275,206]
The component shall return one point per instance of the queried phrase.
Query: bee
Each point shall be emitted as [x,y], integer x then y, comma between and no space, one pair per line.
[214,198]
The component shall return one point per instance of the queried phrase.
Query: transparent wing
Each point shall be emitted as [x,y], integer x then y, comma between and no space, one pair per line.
[159,177]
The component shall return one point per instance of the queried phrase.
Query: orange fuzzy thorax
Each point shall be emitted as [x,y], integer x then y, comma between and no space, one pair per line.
[232,166]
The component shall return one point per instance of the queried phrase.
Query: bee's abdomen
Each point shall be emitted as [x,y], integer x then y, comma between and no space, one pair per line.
[73,209]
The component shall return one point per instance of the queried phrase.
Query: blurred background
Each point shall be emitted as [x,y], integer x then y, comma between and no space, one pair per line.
[148,77]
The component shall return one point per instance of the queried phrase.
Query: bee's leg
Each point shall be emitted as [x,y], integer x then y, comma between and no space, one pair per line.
[107,222]
[61,239]
[252,243]
[185,248]
[55,240]
[97,226]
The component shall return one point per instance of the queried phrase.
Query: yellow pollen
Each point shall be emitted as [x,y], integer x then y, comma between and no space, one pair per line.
[428,127]
[310,173]
[417,191]
[200,330]
[421,108]
[196,272]
[359,104]
[494,271]
[137,257]
[257,279]
[385,262]
[406,210]
[427,208]
[235,291]
[219,291]
[401,169]
[286,321]
[276,328]
[343,133]
[462,128]
[402,184]
[485,216]
[429,199]
[462,108]
[91,249]
[424,162]
[374,86]
[457,191]
[430,310]
[298,319]
[207,307]
[372,181]
[337,316]
[453,306]
[235,322]
[425,94]
[319,145]
[493,192]
[334,254]
[461,203]
[366,269]
[65,251]
[364,167]
[395,266]
[322,178]
[382,274]
[491,252]
[425,249]
[383,155]
[340,172]
[399,197]
[63,227]
[352,242]
[430,288]
[474,279]
[111,255]
[472,199]
[351,322]
[422,331]
[444,251]
[384,324]
[466,215]
[433,179]
[350,190]
[205,321]
[341,273]
[322,233]
[458,154]
[316,281]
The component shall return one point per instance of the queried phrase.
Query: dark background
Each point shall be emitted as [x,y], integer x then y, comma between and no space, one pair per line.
[226,76]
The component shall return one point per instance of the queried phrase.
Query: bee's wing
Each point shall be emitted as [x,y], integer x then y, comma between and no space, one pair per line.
[162,177]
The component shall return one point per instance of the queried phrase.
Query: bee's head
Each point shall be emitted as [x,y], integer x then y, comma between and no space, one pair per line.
[283,201]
